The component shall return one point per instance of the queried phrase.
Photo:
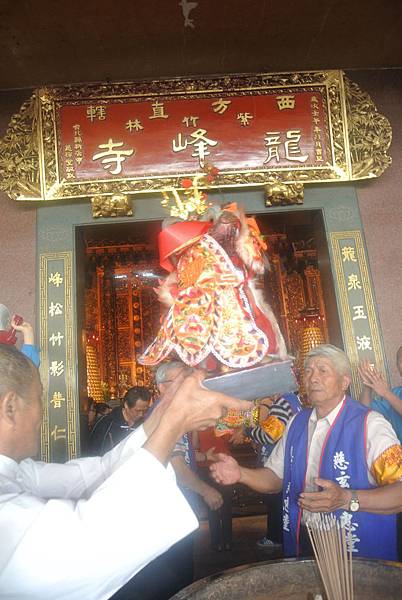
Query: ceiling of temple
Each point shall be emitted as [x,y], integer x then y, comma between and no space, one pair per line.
[51,41]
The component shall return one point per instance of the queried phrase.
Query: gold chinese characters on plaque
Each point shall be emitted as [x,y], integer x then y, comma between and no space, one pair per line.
[257,130]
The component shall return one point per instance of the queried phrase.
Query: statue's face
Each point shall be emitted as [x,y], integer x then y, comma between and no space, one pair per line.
[228,217]
[225,227]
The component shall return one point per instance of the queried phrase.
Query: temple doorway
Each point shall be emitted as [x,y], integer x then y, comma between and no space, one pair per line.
[119,312]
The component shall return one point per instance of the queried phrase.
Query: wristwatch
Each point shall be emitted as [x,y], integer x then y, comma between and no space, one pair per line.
[354,503]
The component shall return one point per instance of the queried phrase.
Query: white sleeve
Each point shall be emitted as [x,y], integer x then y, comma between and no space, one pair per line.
[380,437]
[80,477]
[88,549]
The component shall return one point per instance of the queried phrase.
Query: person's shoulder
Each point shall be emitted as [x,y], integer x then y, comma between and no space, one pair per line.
[382,433]
[116,415]
[303,413]
[99,434]
[101,425]
[290,401]
[353,408]
[378,422]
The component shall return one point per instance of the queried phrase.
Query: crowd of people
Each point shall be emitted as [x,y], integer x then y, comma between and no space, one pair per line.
[130,504]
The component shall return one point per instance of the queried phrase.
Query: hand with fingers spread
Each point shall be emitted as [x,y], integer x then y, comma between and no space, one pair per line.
[199,408]
[373,378]
[330,498]
[226,470]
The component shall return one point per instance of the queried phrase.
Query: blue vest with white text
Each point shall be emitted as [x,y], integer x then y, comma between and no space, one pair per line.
[343,460]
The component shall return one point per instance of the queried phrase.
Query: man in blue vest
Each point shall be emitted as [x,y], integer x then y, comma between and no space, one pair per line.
[337,456]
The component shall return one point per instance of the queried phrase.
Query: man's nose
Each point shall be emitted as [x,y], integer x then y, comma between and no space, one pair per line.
[313,375]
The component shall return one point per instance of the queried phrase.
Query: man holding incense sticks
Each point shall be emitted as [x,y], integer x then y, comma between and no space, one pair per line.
[331,458]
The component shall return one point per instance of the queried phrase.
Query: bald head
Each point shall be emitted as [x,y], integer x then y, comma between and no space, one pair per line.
[20,405]
[17,372]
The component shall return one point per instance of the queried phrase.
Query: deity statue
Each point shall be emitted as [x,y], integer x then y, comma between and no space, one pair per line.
[216,315]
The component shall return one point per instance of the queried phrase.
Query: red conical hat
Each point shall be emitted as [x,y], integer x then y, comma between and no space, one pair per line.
[176,237]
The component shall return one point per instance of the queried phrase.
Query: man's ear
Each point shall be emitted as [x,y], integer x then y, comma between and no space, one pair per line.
[346,382]
[9,405]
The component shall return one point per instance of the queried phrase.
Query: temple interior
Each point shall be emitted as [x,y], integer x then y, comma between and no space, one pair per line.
[122,314]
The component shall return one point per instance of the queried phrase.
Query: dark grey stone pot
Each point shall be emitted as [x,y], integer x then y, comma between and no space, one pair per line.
[292,579]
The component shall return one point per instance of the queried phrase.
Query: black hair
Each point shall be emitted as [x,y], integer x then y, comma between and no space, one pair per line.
[102,407]
[136,393]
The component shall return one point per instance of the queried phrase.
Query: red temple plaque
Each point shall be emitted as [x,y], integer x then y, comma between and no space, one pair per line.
[145,136]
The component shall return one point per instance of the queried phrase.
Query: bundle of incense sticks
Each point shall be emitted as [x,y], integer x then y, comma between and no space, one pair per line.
[334,560]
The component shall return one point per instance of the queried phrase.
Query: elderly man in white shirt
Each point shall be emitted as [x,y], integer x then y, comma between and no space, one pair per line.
[336,457]
[51,541]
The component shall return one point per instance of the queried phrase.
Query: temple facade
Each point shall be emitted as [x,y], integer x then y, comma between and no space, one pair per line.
[366,214]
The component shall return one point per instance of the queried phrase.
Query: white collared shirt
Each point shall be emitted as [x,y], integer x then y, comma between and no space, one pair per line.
[83,529]
[380,437]
[317,432]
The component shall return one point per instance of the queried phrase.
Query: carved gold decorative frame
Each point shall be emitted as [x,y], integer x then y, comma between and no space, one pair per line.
[360,136]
